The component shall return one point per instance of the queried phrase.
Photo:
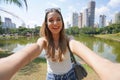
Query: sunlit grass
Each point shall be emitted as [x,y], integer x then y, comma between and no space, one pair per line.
[36,70]
[115,37]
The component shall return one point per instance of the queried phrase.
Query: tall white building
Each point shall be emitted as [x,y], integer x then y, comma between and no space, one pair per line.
[8,23]
[74,19]
[102,21]
[85,18]
[68,25]
[117,17]
[91,13]
[80,20]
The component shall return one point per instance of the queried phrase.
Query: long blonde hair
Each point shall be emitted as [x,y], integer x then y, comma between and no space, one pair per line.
[45,32]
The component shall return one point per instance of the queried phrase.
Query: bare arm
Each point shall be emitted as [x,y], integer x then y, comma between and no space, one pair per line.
[103,67]
[11,64]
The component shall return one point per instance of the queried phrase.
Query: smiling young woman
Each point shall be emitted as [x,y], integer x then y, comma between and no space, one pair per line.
[54,23]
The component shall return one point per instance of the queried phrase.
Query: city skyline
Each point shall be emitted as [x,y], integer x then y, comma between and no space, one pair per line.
[36,10]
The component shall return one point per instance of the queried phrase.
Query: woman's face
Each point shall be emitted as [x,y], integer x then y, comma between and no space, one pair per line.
[54,22]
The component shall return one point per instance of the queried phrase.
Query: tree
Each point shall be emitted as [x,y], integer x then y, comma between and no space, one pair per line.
[0,20]
[19,3]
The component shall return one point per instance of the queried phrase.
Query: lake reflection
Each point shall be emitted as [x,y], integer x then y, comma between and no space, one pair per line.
[105,48]
[11,46]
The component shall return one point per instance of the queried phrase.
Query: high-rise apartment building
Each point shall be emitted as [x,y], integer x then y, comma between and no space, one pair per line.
[117,17]
[80,20]
[74,19]
[91,13]
[102,21]
[85,18]
[8,23]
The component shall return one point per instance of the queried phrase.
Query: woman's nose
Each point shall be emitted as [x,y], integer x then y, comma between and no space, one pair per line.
[55,22]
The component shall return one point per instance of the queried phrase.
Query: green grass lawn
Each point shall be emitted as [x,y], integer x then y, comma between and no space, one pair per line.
[36,70]
[115,37]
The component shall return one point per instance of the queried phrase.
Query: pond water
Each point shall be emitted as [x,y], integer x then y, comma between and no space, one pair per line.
[105,48]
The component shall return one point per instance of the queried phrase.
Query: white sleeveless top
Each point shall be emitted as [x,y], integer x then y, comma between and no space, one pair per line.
[59,67]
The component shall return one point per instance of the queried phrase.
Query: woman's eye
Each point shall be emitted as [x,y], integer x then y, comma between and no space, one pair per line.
[58,19]
[50,20]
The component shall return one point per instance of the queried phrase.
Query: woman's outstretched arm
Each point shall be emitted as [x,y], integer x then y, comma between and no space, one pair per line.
[106,69]
[11,64]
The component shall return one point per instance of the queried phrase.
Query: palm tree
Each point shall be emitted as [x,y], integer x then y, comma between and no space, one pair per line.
[19,3]
[0,21]
[1,9]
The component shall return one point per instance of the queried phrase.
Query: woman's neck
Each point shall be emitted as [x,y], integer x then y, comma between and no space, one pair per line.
[56,40]
[56,37]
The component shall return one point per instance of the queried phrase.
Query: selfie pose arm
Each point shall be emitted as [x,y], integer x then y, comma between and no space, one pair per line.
[106,69]
[11,64]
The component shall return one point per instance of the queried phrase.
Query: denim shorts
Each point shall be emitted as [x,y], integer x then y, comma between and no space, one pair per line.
[67,76]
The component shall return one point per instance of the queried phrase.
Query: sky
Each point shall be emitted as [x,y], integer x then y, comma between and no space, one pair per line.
[36,10]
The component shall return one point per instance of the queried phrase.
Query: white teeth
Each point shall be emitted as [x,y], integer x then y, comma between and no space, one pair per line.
[55,27]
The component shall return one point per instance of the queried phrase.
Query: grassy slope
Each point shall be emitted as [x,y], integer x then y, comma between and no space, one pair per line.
[115,37]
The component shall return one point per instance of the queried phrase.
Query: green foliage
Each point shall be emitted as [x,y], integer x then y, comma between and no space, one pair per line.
[19,3]
[0,25]
[113,28]
[72,30]
[0,29]
[3,54]
[89,30]
[37,30]
[38,60]
[0,21]
[21,30]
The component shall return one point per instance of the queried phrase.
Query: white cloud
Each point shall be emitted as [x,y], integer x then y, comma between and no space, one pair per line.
[67,19]
[106,10]
[83,8]
[32,23]
[72,9]
[102,11]
[4,15]
[114,3]
[62,0]
[52,4]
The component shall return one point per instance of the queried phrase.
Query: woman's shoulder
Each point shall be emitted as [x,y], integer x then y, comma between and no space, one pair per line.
[42,40]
